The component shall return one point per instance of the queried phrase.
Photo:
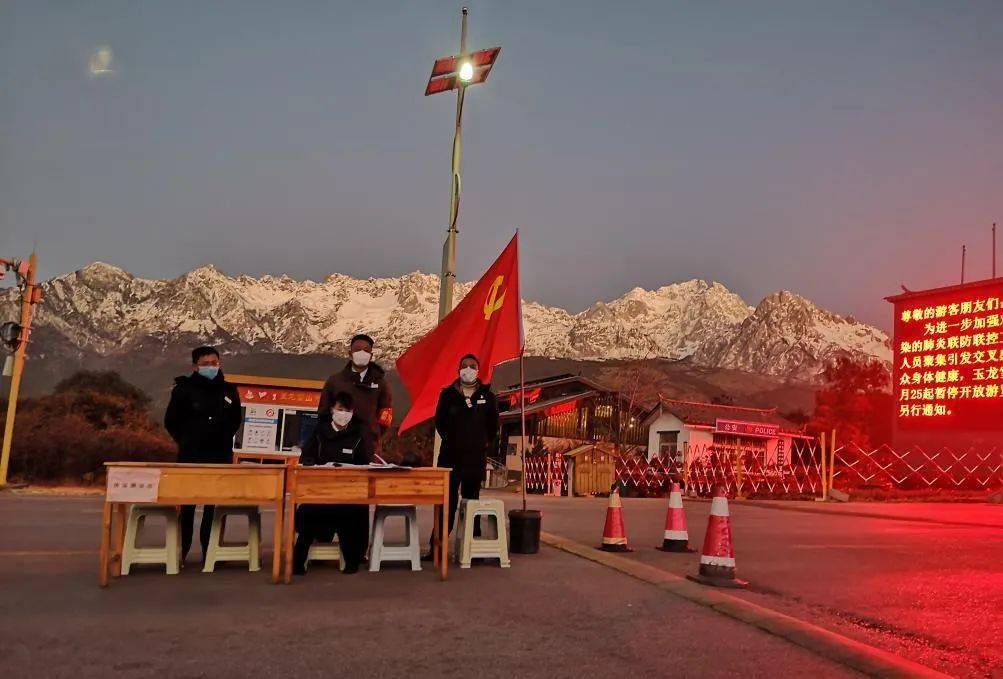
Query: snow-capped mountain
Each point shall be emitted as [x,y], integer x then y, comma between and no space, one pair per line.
[789,335]
[104,310]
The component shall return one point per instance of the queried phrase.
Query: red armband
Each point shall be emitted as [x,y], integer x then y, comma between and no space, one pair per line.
[386,417]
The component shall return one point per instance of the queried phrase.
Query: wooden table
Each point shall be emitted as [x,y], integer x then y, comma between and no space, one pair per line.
[346,485]
[196,484]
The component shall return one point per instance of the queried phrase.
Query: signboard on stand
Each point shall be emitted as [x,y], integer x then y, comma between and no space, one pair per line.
[261,428]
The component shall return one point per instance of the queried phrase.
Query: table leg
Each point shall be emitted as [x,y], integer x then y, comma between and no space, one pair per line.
[436,534]
[105,544]
[119,536]
[444,531]
[289,524]
[278,535]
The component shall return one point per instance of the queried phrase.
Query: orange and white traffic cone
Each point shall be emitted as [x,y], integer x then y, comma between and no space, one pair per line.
[676,538]
[717,559]
[614,534]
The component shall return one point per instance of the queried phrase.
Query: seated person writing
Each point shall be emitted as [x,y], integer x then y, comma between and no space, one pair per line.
[339,439]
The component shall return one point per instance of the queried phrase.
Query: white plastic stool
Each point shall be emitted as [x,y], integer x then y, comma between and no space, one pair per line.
[169,554]
[249,551]
[326,551]
[408,551]
[469,547]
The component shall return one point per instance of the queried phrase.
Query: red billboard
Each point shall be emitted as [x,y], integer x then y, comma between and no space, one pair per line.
[948,358]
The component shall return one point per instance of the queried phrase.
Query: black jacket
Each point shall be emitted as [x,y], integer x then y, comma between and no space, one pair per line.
[203,417]
[371,395]
[327,445]
[468,427]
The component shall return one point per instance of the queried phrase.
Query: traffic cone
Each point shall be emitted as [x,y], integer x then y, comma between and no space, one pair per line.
[676,538]
[717,559]
[614,534]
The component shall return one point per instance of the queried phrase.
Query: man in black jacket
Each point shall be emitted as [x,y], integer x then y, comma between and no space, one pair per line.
[339,438]
[466,418]
[366,382]
[202,418]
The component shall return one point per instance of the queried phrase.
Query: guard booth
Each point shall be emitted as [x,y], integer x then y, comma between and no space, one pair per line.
[277,414]
[591,469]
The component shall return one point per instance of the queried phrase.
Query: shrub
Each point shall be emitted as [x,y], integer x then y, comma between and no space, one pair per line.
[92,418]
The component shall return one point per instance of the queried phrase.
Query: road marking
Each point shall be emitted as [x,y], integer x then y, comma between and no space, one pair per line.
[42,552]
[853,654]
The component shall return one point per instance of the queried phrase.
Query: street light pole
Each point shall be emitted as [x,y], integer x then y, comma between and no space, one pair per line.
[447,279]
[456,73]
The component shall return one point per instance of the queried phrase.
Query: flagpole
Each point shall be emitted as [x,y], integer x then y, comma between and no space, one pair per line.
[522,418]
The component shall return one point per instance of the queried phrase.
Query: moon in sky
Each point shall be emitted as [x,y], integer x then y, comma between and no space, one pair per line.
[100,62]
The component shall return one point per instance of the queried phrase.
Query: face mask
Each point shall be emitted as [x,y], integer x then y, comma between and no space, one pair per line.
[341,417]
[468,375]
[361,358]
[208,371]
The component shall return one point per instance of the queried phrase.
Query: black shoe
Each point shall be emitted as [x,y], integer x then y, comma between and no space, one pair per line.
[299,569]
[351,569]
[428,556]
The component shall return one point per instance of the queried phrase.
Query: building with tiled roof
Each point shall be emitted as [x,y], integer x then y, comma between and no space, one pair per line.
[675,426]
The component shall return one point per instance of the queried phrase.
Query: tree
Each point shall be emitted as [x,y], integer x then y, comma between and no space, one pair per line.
[92,418]
[106,382]
[856,402]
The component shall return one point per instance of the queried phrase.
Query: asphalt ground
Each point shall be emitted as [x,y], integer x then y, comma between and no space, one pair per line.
[925,590]
[550,615]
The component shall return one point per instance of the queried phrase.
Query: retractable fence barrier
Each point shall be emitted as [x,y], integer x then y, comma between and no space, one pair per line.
[807,470]
[916,469]
[797,473]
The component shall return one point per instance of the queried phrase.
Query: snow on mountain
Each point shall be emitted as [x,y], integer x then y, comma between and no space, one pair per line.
[789,336]
[105,310]
[671,322]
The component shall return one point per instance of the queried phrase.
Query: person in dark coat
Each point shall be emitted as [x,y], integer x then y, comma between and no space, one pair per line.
[466,419]
[366,382]
[339,438]
[202,417]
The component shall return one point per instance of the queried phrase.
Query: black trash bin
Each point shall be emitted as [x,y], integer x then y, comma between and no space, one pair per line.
[524,531]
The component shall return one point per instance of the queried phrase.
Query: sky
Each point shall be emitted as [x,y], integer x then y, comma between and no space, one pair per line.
[833,149]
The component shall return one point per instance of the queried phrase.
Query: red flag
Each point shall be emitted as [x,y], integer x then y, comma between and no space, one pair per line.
[487,323]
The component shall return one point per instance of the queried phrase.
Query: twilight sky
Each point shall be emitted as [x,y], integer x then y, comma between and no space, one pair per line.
[835,150]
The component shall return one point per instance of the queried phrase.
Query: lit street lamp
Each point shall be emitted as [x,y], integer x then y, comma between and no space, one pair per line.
[457,73]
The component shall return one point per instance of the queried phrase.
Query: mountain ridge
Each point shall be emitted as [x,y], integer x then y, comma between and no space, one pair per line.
[106,310]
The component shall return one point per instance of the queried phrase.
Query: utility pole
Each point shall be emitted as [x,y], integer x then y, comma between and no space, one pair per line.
[30,295]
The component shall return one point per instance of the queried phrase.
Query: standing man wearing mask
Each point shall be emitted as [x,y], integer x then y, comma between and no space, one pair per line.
[202,418]
[466,418]
[366,383]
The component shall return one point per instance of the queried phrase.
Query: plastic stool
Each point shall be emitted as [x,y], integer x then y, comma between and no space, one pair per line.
[169,554]
[249,551]
[326,551]
[467,546]
[408,551]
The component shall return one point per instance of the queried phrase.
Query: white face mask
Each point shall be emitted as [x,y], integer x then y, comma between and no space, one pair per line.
[360,359]
[468,375]
[341,417]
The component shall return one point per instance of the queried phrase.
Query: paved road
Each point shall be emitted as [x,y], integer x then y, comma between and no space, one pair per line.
[929,591]
[550,615]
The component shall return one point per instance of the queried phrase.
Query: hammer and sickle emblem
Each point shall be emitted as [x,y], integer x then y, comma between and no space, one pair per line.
[494,301]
